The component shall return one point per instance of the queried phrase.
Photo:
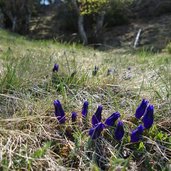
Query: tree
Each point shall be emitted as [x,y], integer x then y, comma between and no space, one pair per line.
[17,14]
[87,7]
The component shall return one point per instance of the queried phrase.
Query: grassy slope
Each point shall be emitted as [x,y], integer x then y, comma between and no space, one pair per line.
[30,137]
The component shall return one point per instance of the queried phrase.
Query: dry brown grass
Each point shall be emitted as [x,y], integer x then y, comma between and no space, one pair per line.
[30,136]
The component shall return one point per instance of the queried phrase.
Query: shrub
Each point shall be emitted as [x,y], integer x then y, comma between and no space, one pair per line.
[117,13]
[67,17]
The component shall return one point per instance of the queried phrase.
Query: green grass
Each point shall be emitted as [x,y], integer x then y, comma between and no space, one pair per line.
[32,139]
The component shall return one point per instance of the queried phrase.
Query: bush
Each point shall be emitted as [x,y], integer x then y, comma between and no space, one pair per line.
[117,13]
[67,17]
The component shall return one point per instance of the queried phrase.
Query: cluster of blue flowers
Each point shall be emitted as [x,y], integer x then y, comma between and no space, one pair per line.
[94,72]
[144,111]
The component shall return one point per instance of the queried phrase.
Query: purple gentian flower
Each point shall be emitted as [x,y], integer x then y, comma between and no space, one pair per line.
[59,112]
[56,105]
[96,118]
[136,134]
[119,131]
[110,121]
[74,116]
[148,117]
[96,131]
[141,109]
[55,68]
[85,109]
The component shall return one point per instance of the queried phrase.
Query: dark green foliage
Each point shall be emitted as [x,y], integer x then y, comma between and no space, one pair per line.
[67,17]
[117,13]
[17,14]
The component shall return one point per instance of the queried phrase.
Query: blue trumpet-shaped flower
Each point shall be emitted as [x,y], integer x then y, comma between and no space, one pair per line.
[59,112]
[119,131]
[55,68]
[74,116]
[110,121]
[136,134]
[96,118]
[56,105]
[141,109]
[85,109]
[148,117]
[95,132]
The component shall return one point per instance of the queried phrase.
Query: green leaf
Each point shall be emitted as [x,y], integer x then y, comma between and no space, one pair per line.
[40,152]
[141,146]
[92,6]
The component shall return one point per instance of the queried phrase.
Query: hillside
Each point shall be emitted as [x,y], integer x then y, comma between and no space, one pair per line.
[31,137]
[155,30]
[155,33]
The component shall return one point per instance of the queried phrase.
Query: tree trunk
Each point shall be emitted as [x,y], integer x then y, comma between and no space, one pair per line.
[27,25]
[81,29]
[99,26]
[1,19]
[100,21]
[27,18]
[13,20]
[14,23]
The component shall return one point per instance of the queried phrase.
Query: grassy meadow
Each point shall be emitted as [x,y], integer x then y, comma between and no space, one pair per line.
[31,137]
